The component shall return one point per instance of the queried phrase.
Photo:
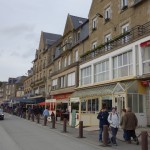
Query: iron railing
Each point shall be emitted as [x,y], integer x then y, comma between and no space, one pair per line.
[119,41]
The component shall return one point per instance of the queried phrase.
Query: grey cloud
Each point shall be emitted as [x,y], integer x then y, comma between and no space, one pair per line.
[28,53]
[17,30]
[14,53]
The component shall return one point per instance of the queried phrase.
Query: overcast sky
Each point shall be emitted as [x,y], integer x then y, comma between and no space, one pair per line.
[21,23]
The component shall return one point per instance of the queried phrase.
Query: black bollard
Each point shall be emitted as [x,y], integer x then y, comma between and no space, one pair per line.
[29,115]
[38,118]
[53,122]
[45,120]
[32,117]
[81,129]
[105,135]
[144,140]
[65,125]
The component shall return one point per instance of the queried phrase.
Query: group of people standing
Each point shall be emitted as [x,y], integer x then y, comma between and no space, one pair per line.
[128,122]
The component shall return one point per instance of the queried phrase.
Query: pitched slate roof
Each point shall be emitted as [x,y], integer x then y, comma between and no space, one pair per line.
[77,21]
[50,38]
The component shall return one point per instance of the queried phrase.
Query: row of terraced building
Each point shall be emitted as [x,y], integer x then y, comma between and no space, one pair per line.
[99,61]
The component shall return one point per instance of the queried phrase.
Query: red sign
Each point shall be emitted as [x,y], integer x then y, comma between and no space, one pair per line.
[61,96]
[145,83]
[145,43]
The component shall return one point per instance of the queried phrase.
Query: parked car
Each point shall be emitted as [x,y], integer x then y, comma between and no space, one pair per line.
[1,114]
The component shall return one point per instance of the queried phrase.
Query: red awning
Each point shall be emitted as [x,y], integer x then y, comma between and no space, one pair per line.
[145,43]
[43,104]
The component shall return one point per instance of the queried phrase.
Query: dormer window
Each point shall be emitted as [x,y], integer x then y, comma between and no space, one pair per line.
[78,35]
[94,45]
[94,24]
[107,14]
[124,4]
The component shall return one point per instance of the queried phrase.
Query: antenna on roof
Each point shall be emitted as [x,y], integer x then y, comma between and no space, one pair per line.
[81,22]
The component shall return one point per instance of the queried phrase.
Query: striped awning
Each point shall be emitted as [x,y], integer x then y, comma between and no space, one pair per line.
[100,90]
[97,91]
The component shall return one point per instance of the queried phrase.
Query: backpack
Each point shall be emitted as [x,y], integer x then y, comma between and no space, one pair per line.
[111,116]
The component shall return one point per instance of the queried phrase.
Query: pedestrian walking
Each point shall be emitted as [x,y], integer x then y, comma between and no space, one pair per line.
[45,114]
[131,122]
[100,124]
[122,124]
[102,116]
[113,120]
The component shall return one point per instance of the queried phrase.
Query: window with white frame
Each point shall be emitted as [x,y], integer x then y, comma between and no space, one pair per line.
[123,65]
[94,23]
[125,29]
[78,36]
[69,59]
[76,55]
[146,59]
[107,39]
[94,45]
[65,62]
[86,75]
[54,84]
[59,65]
[101,71]
[71,79]
[92,105]
[107,13]
[62,82]
[136,103]
[137,59]
[124,4]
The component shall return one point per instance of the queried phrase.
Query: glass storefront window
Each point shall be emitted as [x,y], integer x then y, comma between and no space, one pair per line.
[83,106]
[107,103]
[93,105]
[141,104]
[136,103]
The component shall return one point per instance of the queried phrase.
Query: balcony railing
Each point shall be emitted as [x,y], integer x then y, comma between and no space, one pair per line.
[119,41]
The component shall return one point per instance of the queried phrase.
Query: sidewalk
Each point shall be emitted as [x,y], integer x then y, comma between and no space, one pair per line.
[91,136]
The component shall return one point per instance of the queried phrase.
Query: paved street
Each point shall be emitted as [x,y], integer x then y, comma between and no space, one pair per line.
[20,134]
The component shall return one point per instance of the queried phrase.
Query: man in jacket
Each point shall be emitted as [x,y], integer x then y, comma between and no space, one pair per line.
[102,116]
[130,123]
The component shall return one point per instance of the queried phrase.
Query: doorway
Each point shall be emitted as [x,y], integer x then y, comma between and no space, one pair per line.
[120,103]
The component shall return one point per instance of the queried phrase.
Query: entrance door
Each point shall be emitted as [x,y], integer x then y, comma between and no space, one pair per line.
[120,103]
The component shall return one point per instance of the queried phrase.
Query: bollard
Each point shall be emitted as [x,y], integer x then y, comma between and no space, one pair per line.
[38,118]
[65,125]
[24,115]
[32,117]
[144,140]
[29,115]
[45,120]
[105,135]
[81,129]
[53,122]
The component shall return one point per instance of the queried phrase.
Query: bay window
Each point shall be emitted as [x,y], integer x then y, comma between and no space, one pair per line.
[101,71]
[123,65]
[146,60]
[86,75]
